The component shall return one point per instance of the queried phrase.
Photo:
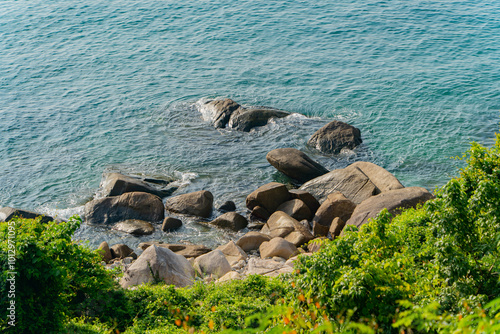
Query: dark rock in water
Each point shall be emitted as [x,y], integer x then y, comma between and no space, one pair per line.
[335,136]
[260,213]
[170,224]
[120,251]
[231,220]
[311,202]
[394,201]
[135,226]
[105,251]
[228,206]
[114,184]
[247,119]
[185,250]
[227,113]
[134,205]
[7,213]
[199,203]
[295,164]
[268,196]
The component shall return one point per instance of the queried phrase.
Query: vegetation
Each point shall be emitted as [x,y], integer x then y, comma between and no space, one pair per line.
[433,269]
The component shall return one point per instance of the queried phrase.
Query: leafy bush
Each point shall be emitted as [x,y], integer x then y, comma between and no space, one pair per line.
[56,278]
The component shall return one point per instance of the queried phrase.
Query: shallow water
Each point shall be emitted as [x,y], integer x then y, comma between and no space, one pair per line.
[88,87]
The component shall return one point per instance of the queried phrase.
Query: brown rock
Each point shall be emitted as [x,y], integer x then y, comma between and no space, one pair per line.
[199,203]
[170,224]
[296,209]
[335,136]
[380,177]
[7,213]
[134,226]
[105,251]
[260,213]
[277,247]
[320,230]
[336,205]
[393,200]
[133,205]
[311,202]
[231,220]
[187,251]
[245,119]
[115,184]
[120,251]
[212,263]
[252,241]
[295,164]
[232,252]
[268,196]
[336,227]
[279,225]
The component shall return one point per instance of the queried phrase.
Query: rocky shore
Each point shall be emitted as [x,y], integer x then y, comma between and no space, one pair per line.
[281,222]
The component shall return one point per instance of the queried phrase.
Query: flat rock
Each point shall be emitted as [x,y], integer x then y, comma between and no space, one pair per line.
[252,241]
[199,203]
[171,224]
[277,247]
[296,209]
[230,220]
[393,200]
[350,181]
[311,202]
[295,164]
[115,184]
[213,263]
[335,136]
[335,205]
[134,205]
[188,251]
[159,264]
[135,226]
[268,196]
[380,177]
[7,213]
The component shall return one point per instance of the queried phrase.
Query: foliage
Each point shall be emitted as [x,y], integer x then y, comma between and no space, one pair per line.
[55,278]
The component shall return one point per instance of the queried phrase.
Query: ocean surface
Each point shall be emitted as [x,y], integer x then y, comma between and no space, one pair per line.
[88,87]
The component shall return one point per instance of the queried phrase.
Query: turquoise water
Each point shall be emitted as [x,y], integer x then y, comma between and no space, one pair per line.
[94,86]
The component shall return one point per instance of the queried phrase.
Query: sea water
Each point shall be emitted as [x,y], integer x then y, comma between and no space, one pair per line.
[88,87]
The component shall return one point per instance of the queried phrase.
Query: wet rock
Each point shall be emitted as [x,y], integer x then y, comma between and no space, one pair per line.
[336,205]
[393,200]
[213,263]
[7,213]
[277,247]
[159,264]
[134,205]
[135,226]
[230,220]
[187,251]
[197,203]
[311,202]
[244,119]
[268,196]
[220,111]
[115,184]
[350,181]
[228,206]
[335,136]
[296,209]
[252,241]
[105,252]
[295,164]
[120,251]
[170,224]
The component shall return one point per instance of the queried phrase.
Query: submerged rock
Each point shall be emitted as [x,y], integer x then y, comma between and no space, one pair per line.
[134,205]
[228,206]
[295,164]
[7,213]
[115,184]
[230,220]
[170,224]
[335,136]
[135,226]
[199,203]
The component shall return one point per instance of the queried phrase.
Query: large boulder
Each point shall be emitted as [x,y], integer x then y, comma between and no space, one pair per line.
[252,241]
[135,227]
[296,209]
[295,164]
[159,264]
[335,136]
[311,202]
[336,227]
[134,205]
[279,225]
[199,203]
[268,196]
[277,247]
[120,251]
[105,252]
[228,113]
[394,201]
[230,220]
[336,205]
[213,263]
[232,252]
[266,267]
[115,184]
[7,213]
[187,251]
[380,177]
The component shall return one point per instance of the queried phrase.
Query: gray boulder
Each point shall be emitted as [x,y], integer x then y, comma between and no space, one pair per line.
[295,164]
[199,203]
[135,227]
[232,252]
[7,213]
[213,263]
[159,264]
[380,177]
[335,136]
[134,205]
[394,201]
[115,184]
